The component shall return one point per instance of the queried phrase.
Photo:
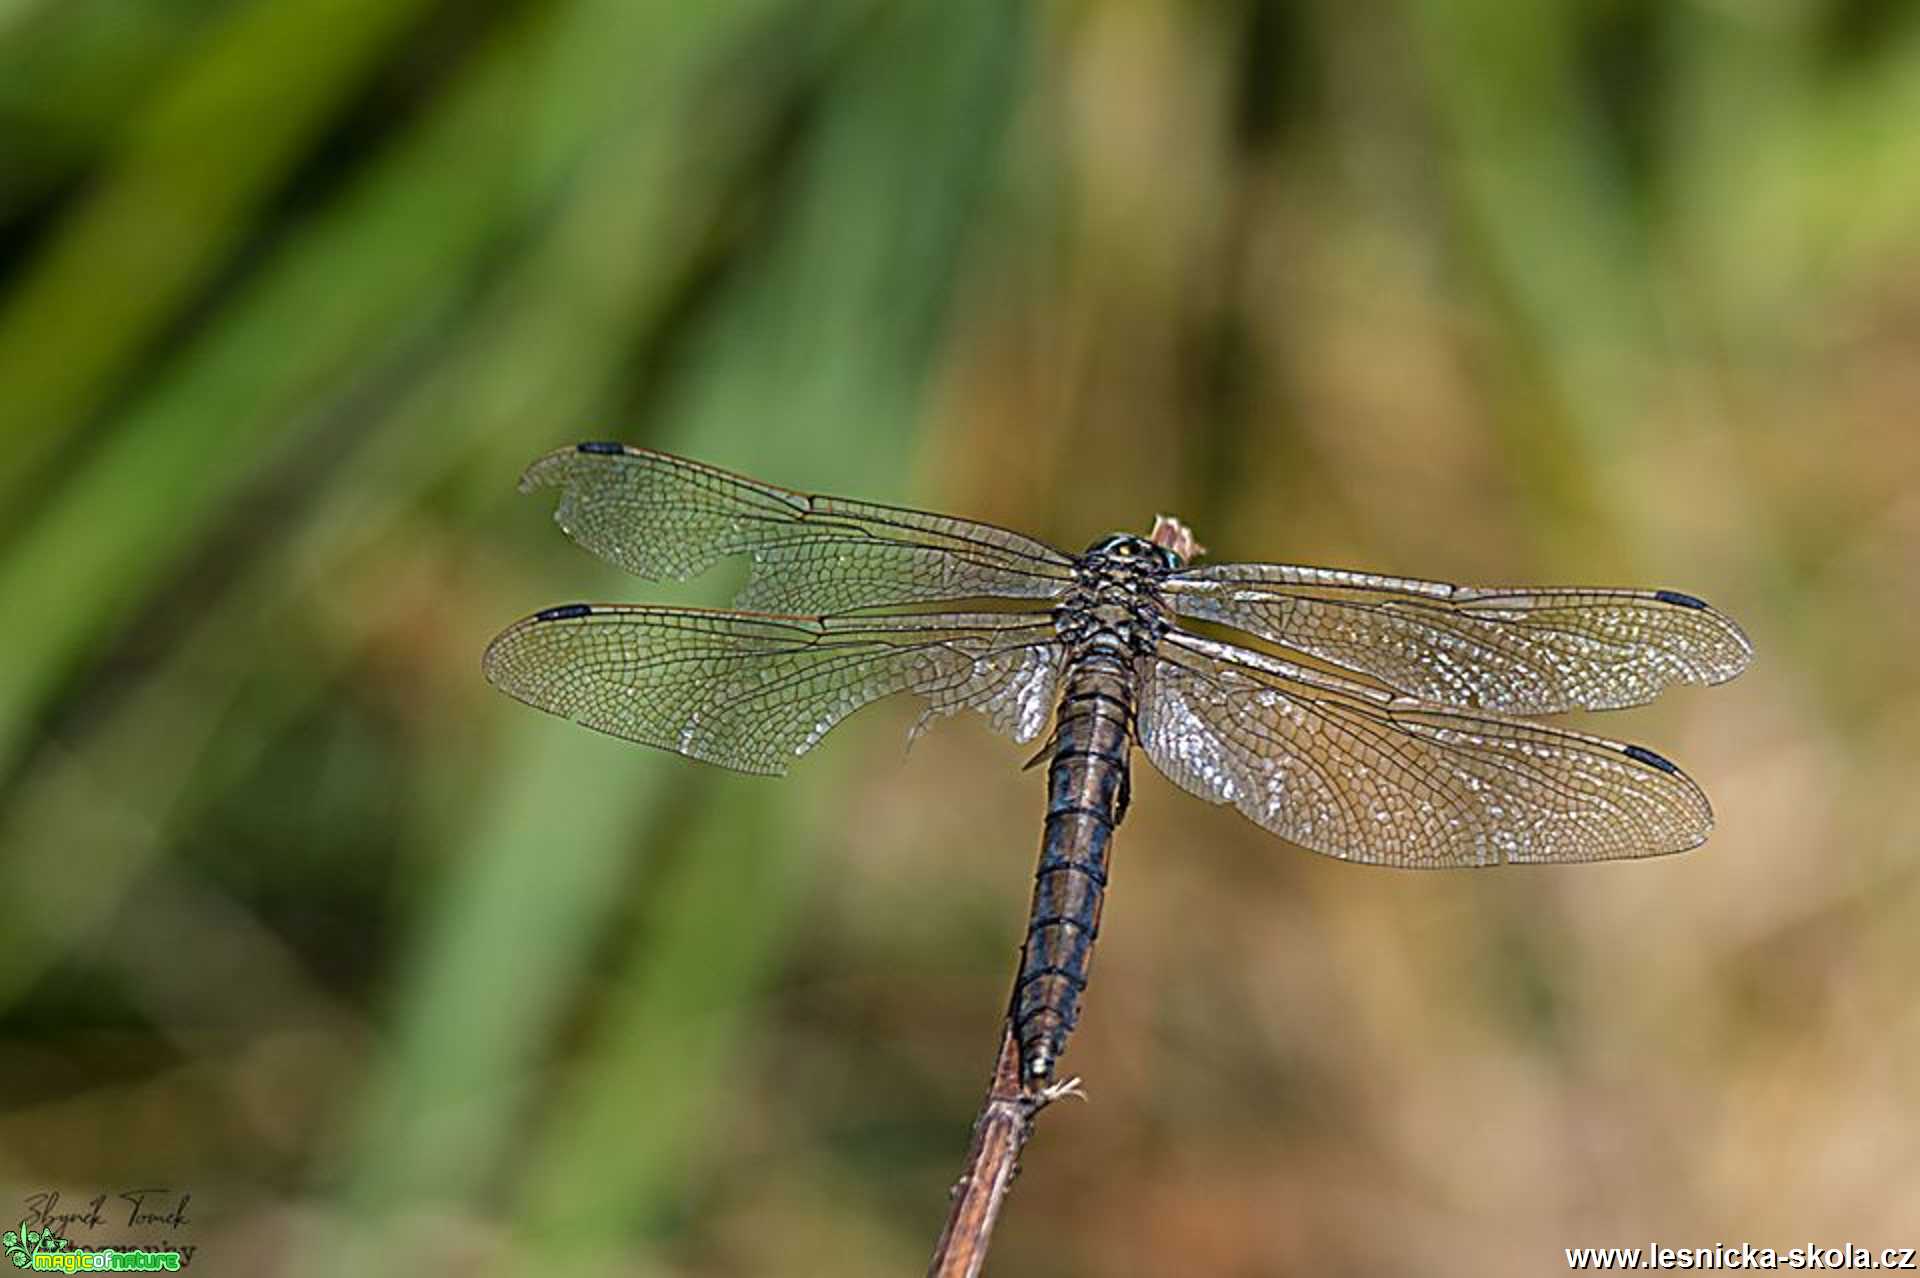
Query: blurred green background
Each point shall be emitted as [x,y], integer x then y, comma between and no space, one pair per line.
[388,971]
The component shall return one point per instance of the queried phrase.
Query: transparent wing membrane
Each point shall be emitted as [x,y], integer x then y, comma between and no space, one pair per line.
[1362,775]
[753,692]
[1428,762]
[665,517]
[1512,650]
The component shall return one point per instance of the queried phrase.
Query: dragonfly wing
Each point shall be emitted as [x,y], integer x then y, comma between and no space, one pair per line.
[1507,649]
[661,516]
[1366,776]
[753,692]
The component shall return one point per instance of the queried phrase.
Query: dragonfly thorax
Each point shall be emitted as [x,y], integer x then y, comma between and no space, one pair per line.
[1115,603]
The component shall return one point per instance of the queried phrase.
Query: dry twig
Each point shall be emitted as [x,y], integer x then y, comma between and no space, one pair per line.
[999,1134]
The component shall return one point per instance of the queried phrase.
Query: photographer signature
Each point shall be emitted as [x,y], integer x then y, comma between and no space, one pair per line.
[134,1207]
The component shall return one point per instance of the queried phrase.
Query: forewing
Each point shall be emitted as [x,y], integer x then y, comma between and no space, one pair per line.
[753,692]
[662,517]
[1365,776]
[1507,649]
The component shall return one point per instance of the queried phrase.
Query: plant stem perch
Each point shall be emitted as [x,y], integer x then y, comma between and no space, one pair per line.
[1000,1132]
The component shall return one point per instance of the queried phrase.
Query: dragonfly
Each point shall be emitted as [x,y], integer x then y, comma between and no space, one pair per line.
[1396,729]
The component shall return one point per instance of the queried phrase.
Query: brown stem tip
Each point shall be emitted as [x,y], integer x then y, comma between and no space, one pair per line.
[1177,537]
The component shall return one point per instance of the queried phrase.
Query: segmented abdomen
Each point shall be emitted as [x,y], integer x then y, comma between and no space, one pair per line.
[1086,787]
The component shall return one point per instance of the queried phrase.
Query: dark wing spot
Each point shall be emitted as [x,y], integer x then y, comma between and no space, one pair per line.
[604,447]
[1675,597]
[565,612]
[1643,755]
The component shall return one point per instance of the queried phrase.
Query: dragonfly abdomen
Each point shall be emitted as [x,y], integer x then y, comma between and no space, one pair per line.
[1086,797]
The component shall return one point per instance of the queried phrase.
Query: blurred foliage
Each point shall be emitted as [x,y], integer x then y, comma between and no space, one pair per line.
[306,921]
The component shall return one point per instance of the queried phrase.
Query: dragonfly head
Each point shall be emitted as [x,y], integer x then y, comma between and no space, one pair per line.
[1125,548]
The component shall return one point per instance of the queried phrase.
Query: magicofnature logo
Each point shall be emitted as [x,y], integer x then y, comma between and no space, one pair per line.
[47,1251]
[26,1244]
